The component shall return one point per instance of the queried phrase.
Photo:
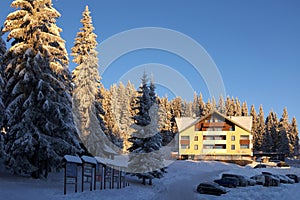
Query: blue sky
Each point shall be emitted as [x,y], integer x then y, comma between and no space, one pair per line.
[254,44]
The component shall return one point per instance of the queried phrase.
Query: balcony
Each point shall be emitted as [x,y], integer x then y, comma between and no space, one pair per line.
[214,151]
[214,124]
[185,142]
[244,142]
[214,133]
[214,142]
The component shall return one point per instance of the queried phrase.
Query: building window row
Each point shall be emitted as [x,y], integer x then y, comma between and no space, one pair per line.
[185,146]
[214,137]
[216,146]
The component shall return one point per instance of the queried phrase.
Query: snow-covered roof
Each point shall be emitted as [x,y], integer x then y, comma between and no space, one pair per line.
[185,122]
[73,159]
[109,150]
[88,159]
[118,161]
[245,121]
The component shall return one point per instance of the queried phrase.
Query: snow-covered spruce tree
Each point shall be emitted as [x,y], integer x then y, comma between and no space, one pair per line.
[244,109]
[145,160]
[113,130]
[196,110]
[40,126]
[208,108]
[201,105]
[283,133]
[237,107]
[275,136]
[165,116]
[2,84]
[268,143]
[176,109]
[260,130]
[294,137]
[221,105]
[254,128]
[87,96]
[187,109]
[229,106]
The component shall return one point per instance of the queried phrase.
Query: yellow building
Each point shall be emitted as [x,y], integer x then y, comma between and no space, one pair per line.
[215,137]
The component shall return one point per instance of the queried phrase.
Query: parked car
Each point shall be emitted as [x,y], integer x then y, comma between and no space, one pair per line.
[228,182]
[283,179]
[294,177]
[211,188]
[250,181]
[260,166]
[260,179]
[270,180]
[282,164]
[242,180]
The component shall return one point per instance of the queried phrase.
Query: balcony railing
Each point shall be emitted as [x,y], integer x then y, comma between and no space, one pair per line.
[185,142]
[244,141]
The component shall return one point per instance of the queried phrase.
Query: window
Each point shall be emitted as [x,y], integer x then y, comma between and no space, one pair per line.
[185,137]
[233,147]
[196,147]
[244,146]
[196,138]
[220,146]
[185,146]
[232,138]
[208,146]
[244,137]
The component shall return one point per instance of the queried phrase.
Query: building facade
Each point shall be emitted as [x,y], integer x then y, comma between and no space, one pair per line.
[215,137]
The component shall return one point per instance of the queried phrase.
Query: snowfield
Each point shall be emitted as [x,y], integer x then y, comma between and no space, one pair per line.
[179,183]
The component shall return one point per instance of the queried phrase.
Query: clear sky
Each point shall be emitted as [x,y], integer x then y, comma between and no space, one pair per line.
[255,44]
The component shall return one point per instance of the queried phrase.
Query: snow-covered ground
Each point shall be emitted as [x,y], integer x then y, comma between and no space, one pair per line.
[179,183]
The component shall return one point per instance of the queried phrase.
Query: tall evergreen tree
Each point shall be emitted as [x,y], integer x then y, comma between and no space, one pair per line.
[213,104]
[196,110]
[176,109]
[187,109]
[201,105]
[2,84]
[145,160]
[268,143]
[254,128]
[274,131]
[86,95]
[112,128]
[40,126]
[237,108]
[221,105]
[283,134]
[208,108]
[294,134]
[260,129]
[229,106]
[165,116]
[244,109]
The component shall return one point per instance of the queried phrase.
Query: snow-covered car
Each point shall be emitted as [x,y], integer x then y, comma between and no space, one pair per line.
[228,182]
[260,166]
[294,177]
[282,165]
[242,180]
[284,179]
[260,179]
[270,180]
[211,188]
[250,181]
